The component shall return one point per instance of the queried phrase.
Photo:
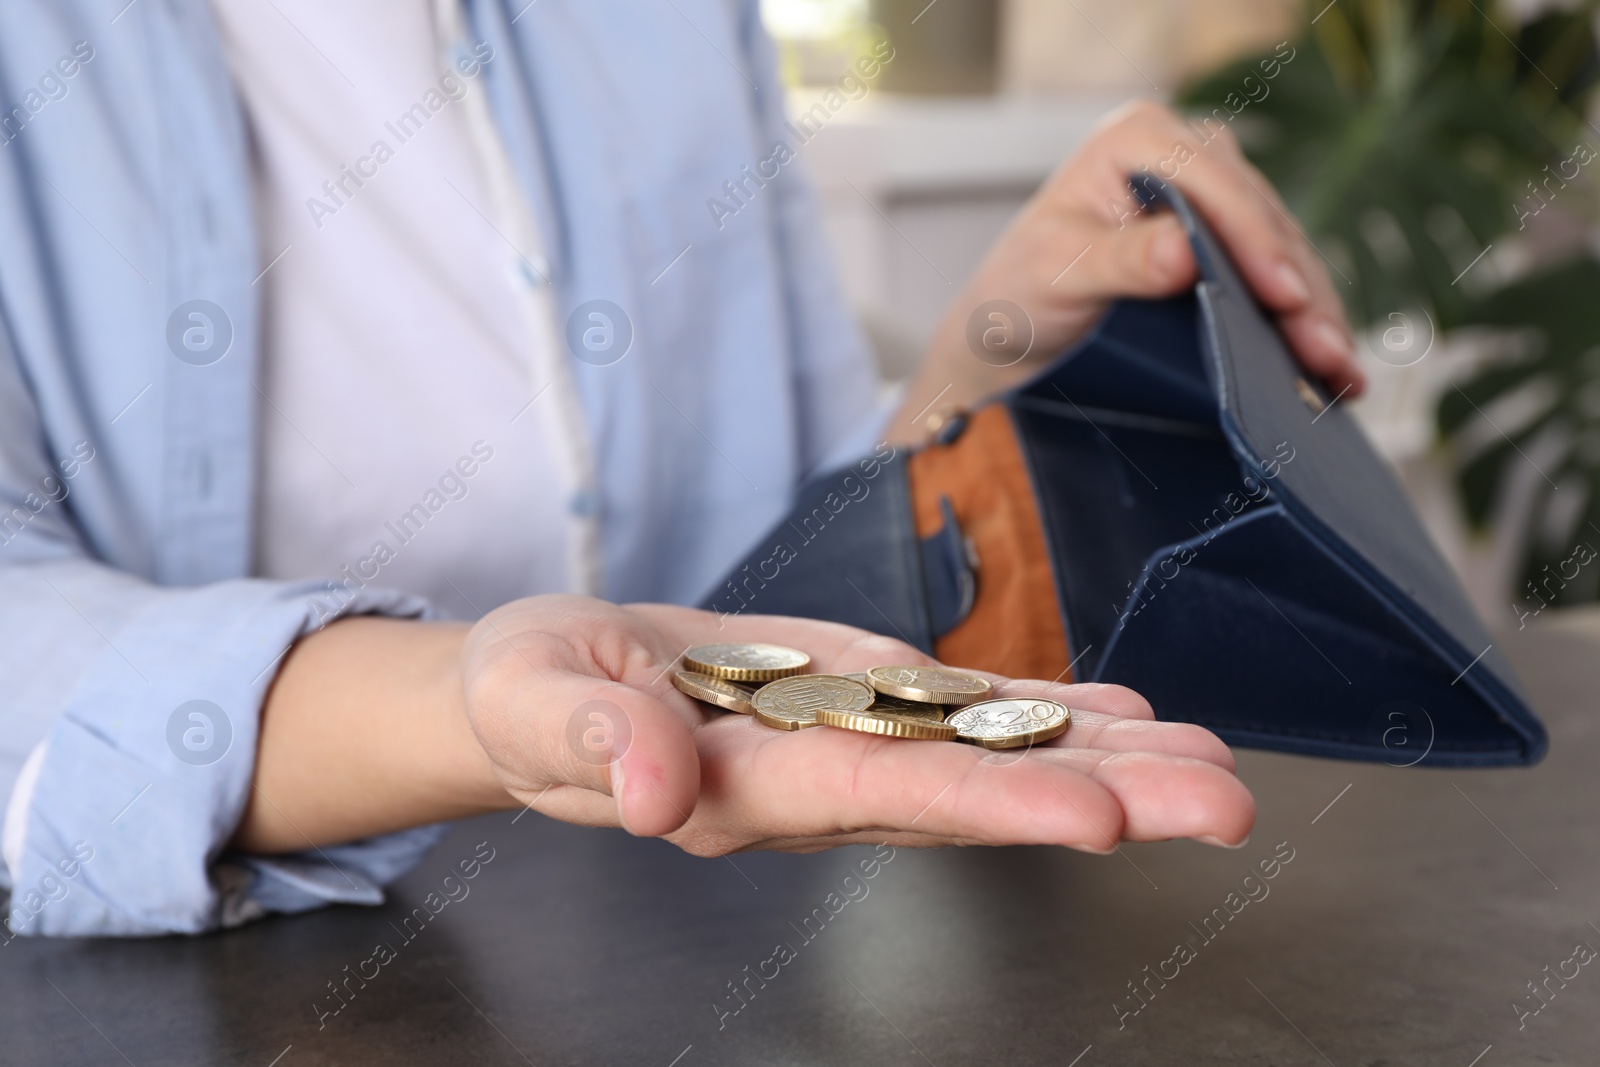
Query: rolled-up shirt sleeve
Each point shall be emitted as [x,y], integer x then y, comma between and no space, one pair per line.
[119,819]
[129,707]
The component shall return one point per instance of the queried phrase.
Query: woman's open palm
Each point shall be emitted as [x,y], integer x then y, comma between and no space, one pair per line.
[573,700]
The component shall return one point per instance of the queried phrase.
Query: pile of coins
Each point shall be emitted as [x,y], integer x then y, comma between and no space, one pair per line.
[769,683]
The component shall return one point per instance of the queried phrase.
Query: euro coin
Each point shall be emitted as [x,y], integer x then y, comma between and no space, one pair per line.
[917,725]
[1011,723]
[794,703]
[932,712]
[929,685]
[745,662]
[704,687]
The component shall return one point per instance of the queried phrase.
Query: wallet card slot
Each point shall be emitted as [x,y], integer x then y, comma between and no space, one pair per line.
[1142,358]
[1065,408]
[1111,495]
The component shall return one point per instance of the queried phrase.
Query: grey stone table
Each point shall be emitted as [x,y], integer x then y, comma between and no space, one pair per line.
[1413,911]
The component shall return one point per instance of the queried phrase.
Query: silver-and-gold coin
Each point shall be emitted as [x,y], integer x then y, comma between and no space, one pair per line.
[887,721]
[794,703]
[929,685]
[1011,723]
[724,694]
[745,662]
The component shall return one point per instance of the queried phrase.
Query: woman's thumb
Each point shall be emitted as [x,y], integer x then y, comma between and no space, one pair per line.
[625,742]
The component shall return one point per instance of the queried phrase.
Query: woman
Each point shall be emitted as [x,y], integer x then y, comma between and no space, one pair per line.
[326,325]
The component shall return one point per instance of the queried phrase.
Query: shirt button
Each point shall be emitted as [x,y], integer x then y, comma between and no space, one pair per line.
[585,504]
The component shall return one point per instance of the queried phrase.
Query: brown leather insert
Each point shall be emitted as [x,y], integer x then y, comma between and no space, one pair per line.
[1015,626]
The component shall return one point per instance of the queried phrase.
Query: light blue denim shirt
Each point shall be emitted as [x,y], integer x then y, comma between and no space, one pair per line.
[131,629]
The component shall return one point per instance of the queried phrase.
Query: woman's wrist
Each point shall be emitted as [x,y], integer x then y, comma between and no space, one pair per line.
[365,731]
[946,382]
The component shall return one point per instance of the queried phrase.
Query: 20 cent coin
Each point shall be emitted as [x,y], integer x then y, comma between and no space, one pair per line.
[1012,722]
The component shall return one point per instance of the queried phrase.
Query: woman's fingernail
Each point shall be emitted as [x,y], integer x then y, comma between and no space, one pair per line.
[1211,839]
[1293,282]
[1333,339]
[616,794]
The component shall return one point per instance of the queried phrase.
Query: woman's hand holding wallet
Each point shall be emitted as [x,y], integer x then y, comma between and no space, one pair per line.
[1084,241]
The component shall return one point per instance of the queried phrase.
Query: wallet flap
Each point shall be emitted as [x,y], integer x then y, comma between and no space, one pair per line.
[1332,669]
[1337,486]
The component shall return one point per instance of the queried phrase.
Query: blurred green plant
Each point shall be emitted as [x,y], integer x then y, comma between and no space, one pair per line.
[1410,136]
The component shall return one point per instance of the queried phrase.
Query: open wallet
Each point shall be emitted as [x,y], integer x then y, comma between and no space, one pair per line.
[1174,507]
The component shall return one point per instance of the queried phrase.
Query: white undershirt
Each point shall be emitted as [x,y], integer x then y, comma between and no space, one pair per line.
[402,334]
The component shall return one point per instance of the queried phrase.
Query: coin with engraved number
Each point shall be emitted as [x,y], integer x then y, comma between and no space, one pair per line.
[704,687]
[794,703]
[1011,723]
[745,662]
[929,685]
[920,725]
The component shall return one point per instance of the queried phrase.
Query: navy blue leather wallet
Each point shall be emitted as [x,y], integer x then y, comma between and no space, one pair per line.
[1212,532]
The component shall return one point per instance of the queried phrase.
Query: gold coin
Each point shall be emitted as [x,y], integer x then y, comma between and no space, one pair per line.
[929,685]
[862,678]
[745,662]
[1011,723]
[794,703]
[711,690]
[918,725]
[888,704]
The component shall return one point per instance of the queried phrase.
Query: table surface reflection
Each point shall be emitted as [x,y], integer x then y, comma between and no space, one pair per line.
[1416,908]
